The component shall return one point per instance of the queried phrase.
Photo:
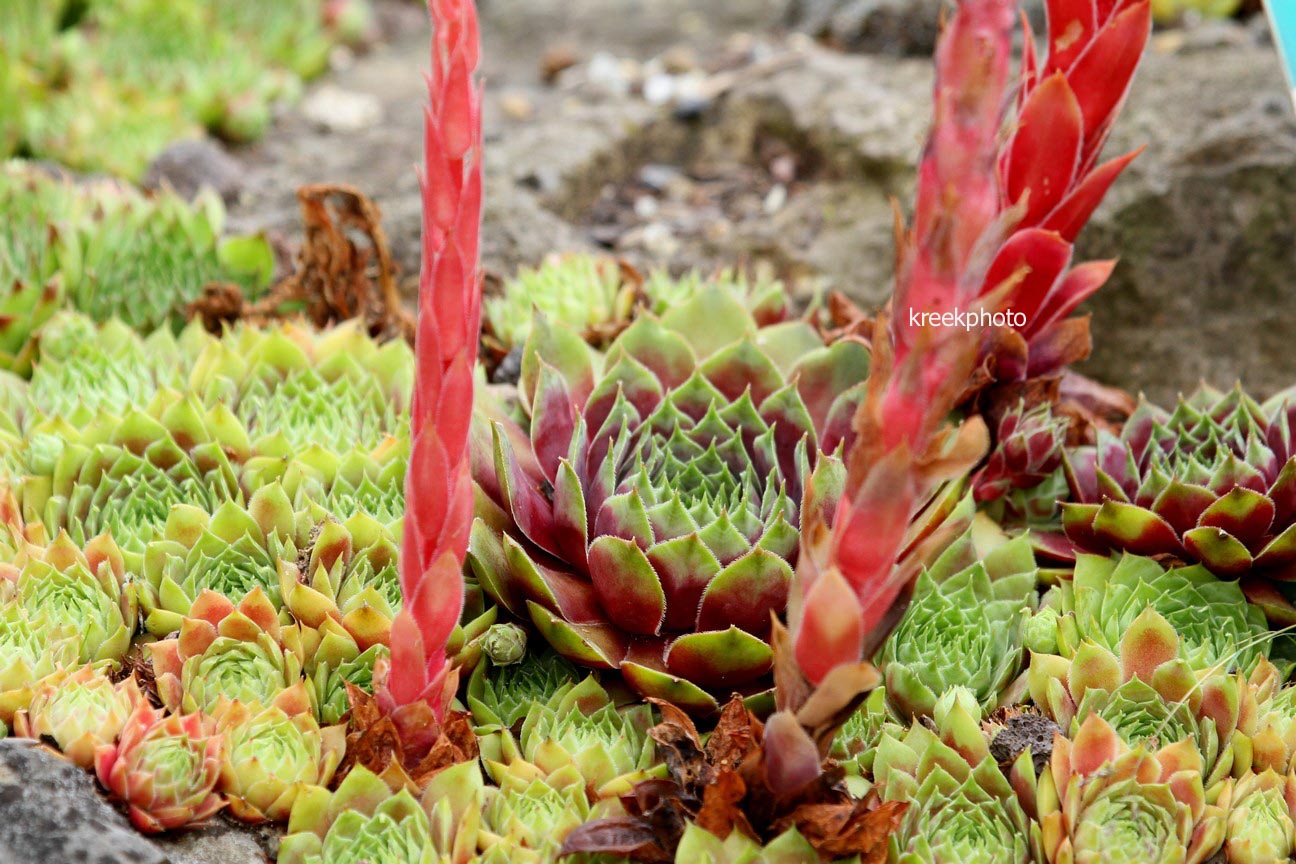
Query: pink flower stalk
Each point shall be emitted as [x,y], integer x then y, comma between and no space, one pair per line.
[1051,180]
[438,486]
[851,577]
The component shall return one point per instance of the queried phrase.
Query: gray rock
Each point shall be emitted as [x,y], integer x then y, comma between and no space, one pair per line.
[222,842]
[895,27]
[187,166]
[51,813]
[1204,224]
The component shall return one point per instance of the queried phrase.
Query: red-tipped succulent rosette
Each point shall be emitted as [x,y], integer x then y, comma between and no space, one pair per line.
[1214,482]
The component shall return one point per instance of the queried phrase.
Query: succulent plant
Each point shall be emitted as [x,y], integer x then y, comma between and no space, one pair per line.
[526,821]
[365,822]
[964,625]
[1266,735]
[577,726]
[273,753]
[588,294]
[340,485]
[350,578]
[1216,628]
[338,390]
[86,368]
[115,252]
[1261,818]
[655,505]
[1146,693]
[701,846]
[962,808]
[503,695]
[124,474]
[765,297]
[1022,480]
[226,654]
[164,768]
[854,746]
[83,591]
[232,552]
[80,710]
[1101,801]
[330,672]
[31,649]
[1209,483]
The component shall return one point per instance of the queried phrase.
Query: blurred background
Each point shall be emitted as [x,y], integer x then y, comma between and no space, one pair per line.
[685,134]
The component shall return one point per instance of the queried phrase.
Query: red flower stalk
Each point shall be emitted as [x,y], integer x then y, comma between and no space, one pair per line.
[851,579]
[1051,180]
[438,486]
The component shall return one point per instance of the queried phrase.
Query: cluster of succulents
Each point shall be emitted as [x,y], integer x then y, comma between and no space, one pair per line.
[566,640]
[105,87]
[110,252]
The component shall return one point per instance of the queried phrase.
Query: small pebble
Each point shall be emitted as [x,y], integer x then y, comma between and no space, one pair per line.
[336,110]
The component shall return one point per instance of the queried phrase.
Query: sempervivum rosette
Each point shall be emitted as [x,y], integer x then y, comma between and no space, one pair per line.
[1217,630]
[965,624]
[652,509]
[124,474]
[1101,801]
[338,389]
[962,807]
[80,711]
[367,821]
[231,552]
[82,590]
[578,726]
[369,481]
[271,754]
[1262,819]
[225,654]
[1021,481]
[1214,483]
[1147,692]
[164,768]
[350,578]
[31,650]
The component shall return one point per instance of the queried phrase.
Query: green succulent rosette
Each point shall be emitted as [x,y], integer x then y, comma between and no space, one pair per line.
[338,390]
[124,475]
[227,654]
[350,578]
[651,508]
[964,627]
[1101,801]
[1218,631]
[360,481]
[332,669]
[588,294]
[1146,692]
[962,808]
[31,649]
[854,746]
[232,552]
[766,298]
[502,695]
[580,727]
[87,368]
[272,754]
[83,591]
[1261,819]
[365,822]
[699,846]
[526,821]
[79,710]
